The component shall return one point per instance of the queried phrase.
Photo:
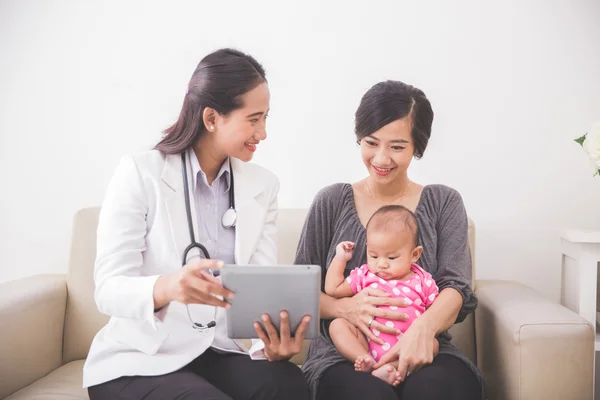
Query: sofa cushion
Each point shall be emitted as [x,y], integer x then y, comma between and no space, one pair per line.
[62,383]
[82,318]
[32,312]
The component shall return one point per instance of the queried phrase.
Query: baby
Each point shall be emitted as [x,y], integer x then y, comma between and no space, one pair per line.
[392,250]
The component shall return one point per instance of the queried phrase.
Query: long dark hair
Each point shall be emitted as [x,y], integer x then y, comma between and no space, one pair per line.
[389,101]
[219,81]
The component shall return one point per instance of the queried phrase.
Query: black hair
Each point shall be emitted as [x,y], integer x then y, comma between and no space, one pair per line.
[392,215]
[219,81]
[389,101]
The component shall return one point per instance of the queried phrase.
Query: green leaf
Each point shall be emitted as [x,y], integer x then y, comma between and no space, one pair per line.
[581,139]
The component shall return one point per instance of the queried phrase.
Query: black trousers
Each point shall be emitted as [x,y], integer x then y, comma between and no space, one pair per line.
[212,376]
[447,378]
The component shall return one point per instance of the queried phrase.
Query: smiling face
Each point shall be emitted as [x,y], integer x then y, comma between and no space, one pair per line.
[238,133]
[388,152]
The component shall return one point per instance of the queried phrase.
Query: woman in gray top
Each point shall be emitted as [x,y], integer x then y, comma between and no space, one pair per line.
[393,125]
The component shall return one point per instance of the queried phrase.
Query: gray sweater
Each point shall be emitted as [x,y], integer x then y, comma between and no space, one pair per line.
[443,233]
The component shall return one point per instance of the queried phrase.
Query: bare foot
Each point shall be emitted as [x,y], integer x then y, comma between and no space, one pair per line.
[364,363]
[387,373]
[397,379]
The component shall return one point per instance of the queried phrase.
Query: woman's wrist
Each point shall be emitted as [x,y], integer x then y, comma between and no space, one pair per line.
[343,308]
[161,292]
[425,326]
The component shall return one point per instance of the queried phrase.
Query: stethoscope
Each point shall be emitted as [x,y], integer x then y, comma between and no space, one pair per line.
[228,220]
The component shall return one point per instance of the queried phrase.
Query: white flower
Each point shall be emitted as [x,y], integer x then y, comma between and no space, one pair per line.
[591,145]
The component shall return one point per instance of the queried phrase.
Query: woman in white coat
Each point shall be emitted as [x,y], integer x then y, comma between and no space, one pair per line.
[166,338]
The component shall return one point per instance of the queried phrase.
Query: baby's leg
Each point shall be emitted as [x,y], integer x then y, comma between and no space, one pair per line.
[351,343]
[389,371]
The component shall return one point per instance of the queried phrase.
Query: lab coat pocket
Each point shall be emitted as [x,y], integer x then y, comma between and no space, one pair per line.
[139,335]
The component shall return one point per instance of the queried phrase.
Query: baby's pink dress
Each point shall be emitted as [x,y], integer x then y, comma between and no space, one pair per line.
[420,289]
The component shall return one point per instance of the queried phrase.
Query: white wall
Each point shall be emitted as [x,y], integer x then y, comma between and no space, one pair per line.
[511,82]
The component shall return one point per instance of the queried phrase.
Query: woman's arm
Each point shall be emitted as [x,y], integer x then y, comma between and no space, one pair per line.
[315,242]
[120,288]
[442,314]
[332,308]
[454,264]
[453,276]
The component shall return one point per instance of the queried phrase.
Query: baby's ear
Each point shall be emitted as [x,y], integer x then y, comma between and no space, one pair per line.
[416,253]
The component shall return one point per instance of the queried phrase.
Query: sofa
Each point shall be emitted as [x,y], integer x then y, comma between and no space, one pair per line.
[526,346]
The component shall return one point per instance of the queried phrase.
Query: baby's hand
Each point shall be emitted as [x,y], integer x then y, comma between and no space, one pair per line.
[344,250]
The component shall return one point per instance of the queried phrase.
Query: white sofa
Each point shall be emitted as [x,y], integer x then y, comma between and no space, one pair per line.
[527,347]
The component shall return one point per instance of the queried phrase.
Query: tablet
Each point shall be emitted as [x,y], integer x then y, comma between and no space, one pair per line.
[262,289]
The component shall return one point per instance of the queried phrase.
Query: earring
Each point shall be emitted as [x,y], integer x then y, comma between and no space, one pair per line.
[211,127]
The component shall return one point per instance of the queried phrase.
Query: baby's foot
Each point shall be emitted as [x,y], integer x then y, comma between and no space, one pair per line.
[364,363]
[387,373]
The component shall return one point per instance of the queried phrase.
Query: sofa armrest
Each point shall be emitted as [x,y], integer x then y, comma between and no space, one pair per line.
[529,347]
[32,311]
